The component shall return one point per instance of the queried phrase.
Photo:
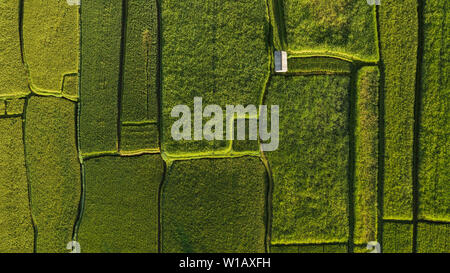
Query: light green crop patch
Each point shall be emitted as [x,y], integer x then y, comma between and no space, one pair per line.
[16,229]
[15,106]
[102,25]
[397,238]
[434,145]
[54,170]
[340,26]
[212,49]
[310,167]
[399,41]
[366,166]
[121,204]
[51,43]
[214,205]
[140,90]
[13,76]
[433,238]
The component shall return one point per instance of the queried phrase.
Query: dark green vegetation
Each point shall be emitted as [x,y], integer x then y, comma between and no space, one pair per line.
[139,137]
[101,25]
[284,249]
[212,49]
[399,41]
[434,157]
[312,65]
[13,77]
[397,238]
[140,83]
[53,171]
[51,43]
[310,167]
[433,238]
[121,204]
[246,145]
[214,206]
[341,26]
[16,229]
[366,166]
[309,249]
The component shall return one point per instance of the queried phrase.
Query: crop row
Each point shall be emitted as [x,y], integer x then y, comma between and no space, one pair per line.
[399,41]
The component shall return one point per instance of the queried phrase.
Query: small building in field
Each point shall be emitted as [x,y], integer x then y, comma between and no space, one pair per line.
[281,62]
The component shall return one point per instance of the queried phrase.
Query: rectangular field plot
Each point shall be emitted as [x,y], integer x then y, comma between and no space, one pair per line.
[433,238]
[121,204]
[314,65]
[140,85]
[366,168]
[51,38]
[212,49]
[13,76]
[332,248]
[434,157]
[53,169]
[101,23]
[214,205]
[399,41]
[346,27]
[16,229]
[397,237]
[139,137]
[310,167]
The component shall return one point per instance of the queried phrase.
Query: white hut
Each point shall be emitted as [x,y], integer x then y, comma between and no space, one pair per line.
[281,63]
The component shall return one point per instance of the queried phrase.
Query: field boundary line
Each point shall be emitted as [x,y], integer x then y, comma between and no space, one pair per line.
[417,119]
[81,203]
[352,124]
[27,173]
[381,133]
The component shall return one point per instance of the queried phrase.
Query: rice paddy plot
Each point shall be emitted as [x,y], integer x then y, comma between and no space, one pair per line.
[434,143]
[121,204]
[310,167]
[214,205]
[212,49]
[53,170]
[346,27]
[16,229]
[13,76]
[366,166]
[399,41]
[397,237]
[101,22]
[51,38]
[433,238]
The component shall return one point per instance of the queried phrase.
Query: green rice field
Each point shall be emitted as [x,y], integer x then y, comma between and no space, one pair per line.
[87,151]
